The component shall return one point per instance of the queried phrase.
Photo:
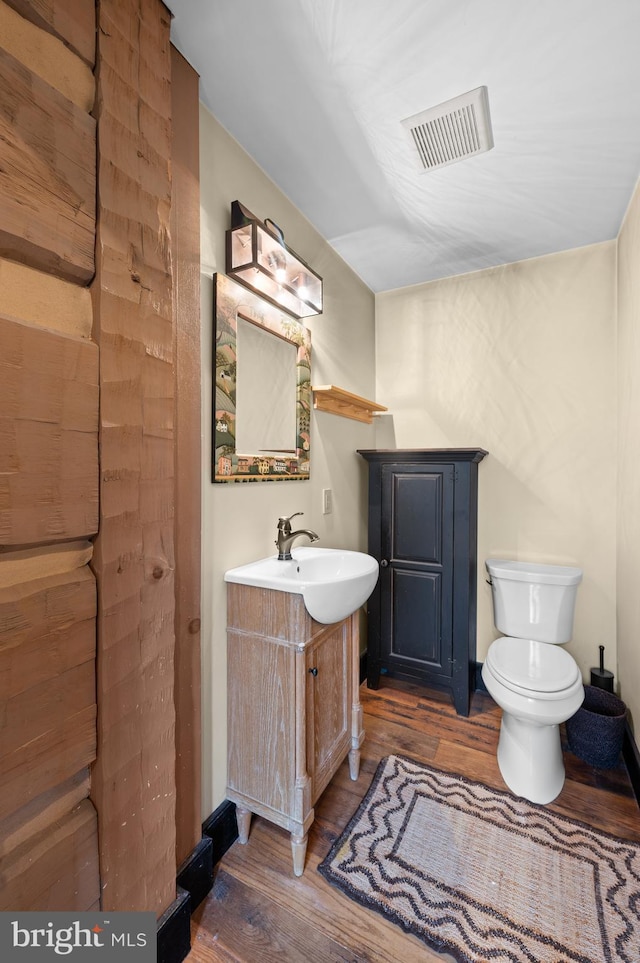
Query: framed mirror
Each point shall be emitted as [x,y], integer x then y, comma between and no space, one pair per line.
[262,405]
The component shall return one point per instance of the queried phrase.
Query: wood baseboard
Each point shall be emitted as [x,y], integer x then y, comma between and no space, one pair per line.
[193,882]
[221,828]
[174,929]
[196,873]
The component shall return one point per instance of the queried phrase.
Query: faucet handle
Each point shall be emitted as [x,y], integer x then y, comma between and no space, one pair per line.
[284,521]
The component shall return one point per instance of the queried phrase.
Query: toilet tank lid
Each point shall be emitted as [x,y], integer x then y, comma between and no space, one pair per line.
[533,572]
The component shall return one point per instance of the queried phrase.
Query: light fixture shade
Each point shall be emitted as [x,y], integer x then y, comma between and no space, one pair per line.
[258,258]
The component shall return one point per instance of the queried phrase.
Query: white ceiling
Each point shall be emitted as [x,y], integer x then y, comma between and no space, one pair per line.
[314,90]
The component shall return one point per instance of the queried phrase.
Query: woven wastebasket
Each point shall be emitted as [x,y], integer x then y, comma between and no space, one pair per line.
[596,731]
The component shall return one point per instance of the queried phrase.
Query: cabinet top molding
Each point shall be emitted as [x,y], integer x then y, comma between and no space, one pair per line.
[435,455]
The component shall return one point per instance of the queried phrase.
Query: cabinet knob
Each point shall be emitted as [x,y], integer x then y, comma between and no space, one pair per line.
[313,671]
[384,563]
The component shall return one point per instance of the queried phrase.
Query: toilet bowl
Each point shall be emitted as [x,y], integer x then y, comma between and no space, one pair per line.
[537,686]
[536,683]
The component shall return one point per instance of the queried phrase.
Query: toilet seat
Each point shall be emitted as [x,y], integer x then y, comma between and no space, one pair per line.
[531,668]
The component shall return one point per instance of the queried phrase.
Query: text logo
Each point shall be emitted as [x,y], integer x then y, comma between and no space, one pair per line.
[79,937]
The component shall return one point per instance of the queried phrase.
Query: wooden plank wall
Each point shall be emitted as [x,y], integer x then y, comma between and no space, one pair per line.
[89,428]
[48,457]
[133,781]
[185,228]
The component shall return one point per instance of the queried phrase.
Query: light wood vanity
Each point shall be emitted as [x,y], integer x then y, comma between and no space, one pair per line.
[294,708]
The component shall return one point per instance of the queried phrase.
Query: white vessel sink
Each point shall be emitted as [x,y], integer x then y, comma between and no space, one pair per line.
[333,582]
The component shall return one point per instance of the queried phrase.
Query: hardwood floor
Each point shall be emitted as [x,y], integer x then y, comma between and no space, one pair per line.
[258,912]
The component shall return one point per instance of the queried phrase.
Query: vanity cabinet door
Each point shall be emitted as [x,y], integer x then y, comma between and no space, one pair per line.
[261,725]
[328,704]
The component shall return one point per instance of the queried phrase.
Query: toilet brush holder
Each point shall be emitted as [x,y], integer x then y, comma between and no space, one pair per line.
[601,677]
[596,731]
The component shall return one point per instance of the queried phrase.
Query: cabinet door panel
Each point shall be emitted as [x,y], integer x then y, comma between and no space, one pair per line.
[417,517]
[261,721]
[416,588]
[329,702]
[417,616]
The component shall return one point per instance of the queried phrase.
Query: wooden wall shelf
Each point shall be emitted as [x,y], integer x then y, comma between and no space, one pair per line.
[337,401]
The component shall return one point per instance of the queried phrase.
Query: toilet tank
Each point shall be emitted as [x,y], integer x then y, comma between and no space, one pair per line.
[532,601]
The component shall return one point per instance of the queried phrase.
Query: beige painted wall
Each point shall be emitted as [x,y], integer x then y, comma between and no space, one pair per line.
[519,360]
[628,568]
[239,520]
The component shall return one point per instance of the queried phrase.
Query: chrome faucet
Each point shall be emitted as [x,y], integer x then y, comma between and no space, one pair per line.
[286,536]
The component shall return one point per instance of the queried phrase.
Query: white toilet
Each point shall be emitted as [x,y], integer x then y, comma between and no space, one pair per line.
[536,683]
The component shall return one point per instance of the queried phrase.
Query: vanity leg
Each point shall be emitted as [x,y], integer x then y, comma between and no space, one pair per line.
[298,851]
[357,732]
[354,763]
[243,819]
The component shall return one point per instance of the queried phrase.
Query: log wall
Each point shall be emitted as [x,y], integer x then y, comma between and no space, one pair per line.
[133,780]
[88,441]
[185,226]
[49,384]
[48,149]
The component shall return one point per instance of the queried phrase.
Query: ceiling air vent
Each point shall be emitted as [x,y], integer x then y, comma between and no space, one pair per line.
[459,128]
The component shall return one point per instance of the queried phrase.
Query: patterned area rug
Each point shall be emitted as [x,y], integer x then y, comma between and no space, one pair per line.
[486,876]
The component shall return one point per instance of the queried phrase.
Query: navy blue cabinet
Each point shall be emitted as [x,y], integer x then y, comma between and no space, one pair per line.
[422,529]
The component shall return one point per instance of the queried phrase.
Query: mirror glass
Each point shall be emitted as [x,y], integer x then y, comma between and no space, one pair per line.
[262,404]
[265,391]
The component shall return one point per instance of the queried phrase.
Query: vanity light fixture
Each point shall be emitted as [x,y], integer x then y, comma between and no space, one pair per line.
[258,258]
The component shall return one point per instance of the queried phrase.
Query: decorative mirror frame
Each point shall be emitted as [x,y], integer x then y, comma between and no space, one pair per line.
[230,301]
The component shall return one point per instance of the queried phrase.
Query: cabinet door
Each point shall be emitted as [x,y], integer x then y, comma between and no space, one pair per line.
[261,725]
[328,704]
[417,584]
